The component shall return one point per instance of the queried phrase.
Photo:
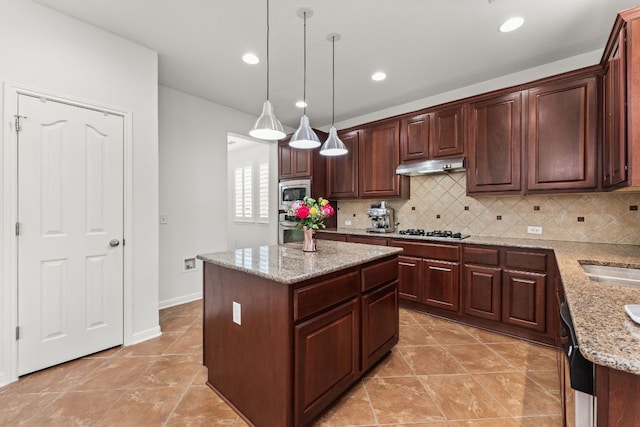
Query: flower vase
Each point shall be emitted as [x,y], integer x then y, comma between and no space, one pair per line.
[308,244]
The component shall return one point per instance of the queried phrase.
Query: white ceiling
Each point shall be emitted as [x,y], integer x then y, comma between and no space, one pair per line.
[426,47]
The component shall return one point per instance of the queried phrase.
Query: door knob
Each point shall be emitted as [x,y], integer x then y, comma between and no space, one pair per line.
[114,243]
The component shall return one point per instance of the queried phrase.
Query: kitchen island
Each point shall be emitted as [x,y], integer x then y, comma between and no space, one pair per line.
[287,332]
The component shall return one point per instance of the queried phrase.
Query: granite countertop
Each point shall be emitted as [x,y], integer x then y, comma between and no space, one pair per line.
[606,334]
[288,264]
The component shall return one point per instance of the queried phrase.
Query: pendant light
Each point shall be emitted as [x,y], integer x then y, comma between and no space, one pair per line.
[304,137]
[267,126]
[333,146]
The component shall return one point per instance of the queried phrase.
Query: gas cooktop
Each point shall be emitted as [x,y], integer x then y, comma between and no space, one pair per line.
[447,234]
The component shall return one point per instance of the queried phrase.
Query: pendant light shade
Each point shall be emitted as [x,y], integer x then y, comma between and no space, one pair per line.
[267,126]
[304,137]
[333,146]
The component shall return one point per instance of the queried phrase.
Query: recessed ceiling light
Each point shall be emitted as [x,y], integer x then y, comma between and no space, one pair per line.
[250,58]
[378,76]
[511,24]
[301,104]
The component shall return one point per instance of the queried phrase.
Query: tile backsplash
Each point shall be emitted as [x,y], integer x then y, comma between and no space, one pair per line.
[439,202]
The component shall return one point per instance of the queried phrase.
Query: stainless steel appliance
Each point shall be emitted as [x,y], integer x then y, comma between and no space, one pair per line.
[292,190]
[382,218]
[432,167]
[577,374]
[287,232]
[445,234]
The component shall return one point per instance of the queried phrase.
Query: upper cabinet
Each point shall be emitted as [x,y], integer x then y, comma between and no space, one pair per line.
[562,138]
[621,103]
[368,170]
[495,144]
[294,162]
[437,133]
[542,139]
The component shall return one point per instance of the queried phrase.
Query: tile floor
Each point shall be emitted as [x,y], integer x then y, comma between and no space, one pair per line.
[441,374]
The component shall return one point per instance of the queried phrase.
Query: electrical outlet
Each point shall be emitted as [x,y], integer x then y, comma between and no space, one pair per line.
[347,222]
[189,264]
[237,313]
[534,230]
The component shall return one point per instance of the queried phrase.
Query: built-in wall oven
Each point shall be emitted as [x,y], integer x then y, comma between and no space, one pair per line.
[292,190]
[287,232]
[576,377]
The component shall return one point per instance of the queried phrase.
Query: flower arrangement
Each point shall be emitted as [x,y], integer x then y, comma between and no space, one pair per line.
[310,212]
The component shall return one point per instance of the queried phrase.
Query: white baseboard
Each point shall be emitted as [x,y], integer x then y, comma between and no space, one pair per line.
[141,336]
[179,300]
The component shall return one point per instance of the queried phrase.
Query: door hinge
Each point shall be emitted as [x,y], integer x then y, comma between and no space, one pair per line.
[17,333]
[17,228]
[17,123]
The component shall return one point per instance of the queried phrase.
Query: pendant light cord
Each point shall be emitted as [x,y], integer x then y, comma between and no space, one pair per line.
[267,50]
[304,82]
[333,79]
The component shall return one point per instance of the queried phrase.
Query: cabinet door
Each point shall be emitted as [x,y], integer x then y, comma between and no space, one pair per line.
[495,145]
[415,133]
[378,158]
[562,138]
[342,171]
[448,132]
[523,299]
[482,294]
[441,284]
[293,162]
[379,323]
[410,278]
[327,359]
[614,147]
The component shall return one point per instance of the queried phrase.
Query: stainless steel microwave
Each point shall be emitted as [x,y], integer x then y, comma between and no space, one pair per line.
[290,191]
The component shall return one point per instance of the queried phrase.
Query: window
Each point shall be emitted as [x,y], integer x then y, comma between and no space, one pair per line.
[251,198]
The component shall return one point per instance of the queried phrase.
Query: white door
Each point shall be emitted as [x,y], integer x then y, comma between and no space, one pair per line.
[70,211]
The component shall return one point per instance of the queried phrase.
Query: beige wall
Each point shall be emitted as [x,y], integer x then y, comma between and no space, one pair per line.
[608,217]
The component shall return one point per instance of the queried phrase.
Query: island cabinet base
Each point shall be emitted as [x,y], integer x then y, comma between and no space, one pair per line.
[617,398]
[280,354]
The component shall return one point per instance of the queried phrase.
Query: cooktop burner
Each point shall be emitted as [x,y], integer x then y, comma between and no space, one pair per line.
[436,233]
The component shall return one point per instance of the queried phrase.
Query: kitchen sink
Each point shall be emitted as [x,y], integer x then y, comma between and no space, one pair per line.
[613,275]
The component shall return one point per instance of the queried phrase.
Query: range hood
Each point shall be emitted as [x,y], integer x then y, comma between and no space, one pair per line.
[432,166]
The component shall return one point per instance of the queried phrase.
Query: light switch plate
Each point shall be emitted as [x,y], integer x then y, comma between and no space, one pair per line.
[237,313]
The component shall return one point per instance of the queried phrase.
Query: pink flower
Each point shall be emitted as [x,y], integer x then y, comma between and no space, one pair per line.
[303,212]
[327,210]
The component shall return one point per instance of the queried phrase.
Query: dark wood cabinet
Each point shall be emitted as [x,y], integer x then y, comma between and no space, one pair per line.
[380,330]
[322,235]
[378,158]
[293,162]
[562,135]
[495,145]
[327,354]
[482,295]
[614,141]
[435,133]
[410,278]
[415,135]
[342,171]
[524,299]
[448,132]
[368,240]
[441,284]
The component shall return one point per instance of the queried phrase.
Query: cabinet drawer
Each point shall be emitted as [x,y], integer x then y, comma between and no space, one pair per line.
[380,241]
[331,236]
[484,256]
[379,274]
[526,260]
[429,250]
[314,298]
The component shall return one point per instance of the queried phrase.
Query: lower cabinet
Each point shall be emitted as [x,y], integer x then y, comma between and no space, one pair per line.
[441,281]
[524,299]
[482,289]
[327,353]
[380,330]
[410,278]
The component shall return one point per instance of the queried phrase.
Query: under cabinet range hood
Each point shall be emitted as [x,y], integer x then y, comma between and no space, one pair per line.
[432,166]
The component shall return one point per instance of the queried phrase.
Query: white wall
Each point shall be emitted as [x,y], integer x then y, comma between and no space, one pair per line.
[44,50]
[193,186]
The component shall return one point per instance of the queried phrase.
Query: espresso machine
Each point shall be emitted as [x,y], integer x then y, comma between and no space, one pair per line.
[382,218]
